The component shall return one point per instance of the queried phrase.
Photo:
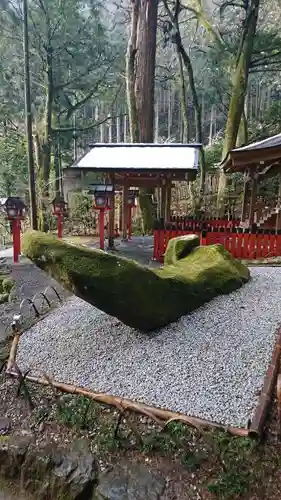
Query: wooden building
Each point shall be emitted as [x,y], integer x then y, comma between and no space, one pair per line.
[137,166]
[258,162]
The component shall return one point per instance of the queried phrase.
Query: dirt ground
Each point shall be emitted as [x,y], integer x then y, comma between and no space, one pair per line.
[8,492]
[196,463]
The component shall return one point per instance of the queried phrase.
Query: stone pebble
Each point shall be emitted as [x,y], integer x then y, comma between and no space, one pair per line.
[209,364]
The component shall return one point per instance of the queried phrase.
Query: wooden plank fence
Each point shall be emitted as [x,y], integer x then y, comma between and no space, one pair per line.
[240,245]
[185,223]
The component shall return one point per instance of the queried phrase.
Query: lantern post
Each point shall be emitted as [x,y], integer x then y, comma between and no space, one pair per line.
[102,202]
[59,211]
[132,203]
[15,212]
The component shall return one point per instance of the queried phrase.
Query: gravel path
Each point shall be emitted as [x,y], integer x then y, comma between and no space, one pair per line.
[210,364]
[29,280]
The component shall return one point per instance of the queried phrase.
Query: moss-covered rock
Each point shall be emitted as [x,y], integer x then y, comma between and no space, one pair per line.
[4,297]
[141,297]
[180,247]
[7,285]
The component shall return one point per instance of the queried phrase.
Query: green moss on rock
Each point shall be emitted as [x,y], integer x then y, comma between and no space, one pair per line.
[180,247]
[4,297]
[7,285]
[141,297]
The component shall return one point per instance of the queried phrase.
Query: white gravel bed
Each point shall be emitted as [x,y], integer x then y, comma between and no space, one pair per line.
[210,364]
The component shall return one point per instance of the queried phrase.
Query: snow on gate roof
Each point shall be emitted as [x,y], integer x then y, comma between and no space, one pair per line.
[122,156]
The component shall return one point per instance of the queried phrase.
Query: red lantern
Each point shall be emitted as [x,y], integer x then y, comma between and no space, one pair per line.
[15,210]
[60,211]
[102,202]
[132,203]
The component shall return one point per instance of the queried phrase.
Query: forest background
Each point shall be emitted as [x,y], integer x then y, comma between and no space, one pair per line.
[138,70]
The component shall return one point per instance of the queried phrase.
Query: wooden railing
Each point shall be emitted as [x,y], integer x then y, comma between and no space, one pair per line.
[241,245]
[185,223]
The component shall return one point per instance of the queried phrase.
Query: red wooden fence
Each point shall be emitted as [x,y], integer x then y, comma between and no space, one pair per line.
[184,223]
[240,245]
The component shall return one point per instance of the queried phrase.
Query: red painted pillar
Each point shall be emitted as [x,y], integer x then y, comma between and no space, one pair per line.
[130,208]
[60,225]
[16,239]
[101,220]
[19,240]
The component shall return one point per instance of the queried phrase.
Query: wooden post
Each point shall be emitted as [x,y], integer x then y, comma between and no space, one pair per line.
[101,228]
[111,217]
[278,214]
[60,225]
[168,202]
[245,196]
[125,213]
[253,199]
[130,209]
[163,200]
[158,199]
[120,212]
[16,239]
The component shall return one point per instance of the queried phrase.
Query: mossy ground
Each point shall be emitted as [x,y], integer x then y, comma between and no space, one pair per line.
[141,297]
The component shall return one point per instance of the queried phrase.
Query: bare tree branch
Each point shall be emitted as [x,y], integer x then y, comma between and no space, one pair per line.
[89,127]
[225,5]
[75,79]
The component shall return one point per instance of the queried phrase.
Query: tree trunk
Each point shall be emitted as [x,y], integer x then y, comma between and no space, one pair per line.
[211,131]
[156,132]
[197,111]
[239,90]
[140,77]
[125,128]
[110,130]
[170,114]
[102,124]
[118,131]
[131,72]
[183,98]
[145,68]
[57,166]
[243,133]
[177,40]
[46,144]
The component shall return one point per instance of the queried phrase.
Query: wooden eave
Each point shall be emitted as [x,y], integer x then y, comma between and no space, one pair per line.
[274,170]
[145,178]
[239,161]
